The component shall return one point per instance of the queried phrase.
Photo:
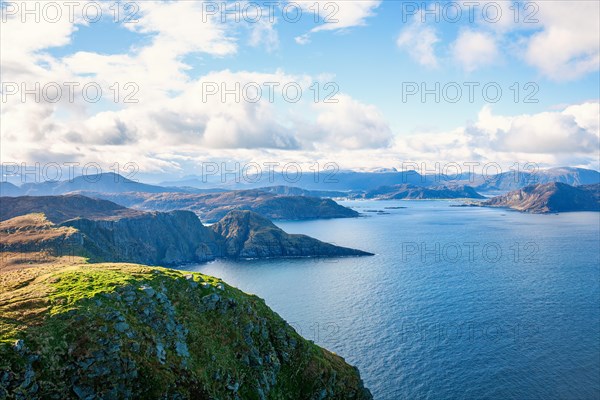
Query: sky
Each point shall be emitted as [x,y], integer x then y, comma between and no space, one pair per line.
[168,86]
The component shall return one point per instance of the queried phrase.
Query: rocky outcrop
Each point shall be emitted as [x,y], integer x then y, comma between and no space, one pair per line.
[412,192]
[129,331]
[550,197]
[249,235]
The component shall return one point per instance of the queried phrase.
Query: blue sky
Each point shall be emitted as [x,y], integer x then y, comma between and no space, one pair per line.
[371,53]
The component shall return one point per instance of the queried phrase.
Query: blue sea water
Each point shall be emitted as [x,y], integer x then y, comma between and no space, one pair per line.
[457,303]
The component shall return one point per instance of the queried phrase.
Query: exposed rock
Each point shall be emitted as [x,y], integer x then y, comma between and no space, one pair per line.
[187,343]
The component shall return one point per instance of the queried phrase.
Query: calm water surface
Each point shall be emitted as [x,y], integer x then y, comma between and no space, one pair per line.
[466,303]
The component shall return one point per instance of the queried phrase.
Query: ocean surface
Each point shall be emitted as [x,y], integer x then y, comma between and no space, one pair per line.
[457,303]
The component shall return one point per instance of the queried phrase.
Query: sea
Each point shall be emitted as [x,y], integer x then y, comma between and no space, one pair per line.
[456,303]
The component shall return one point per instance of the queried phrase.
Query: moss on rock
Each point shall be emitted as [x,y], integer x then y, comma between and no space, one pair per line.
[129,331]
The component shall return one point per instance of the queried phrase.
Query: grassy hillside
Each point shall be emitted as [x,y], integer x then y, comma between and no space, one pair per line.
[130,331]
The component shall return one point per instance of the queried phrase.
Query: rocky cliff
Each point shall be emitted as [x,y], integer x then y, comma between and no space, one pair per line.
[103,231]
[128,331]
[172,238]
[249,235]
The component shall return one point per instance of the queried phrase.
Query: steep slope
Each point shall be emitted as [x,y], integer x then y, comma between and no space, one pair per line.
[249,235]
[62,208]
[549,197]
[103,231]
[172,238]
[407,192]
[129,331]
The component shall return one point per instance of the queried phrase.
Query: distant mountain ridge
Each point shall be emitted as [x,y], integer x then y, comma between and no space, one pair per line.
[550,197]
[324,184]
[411,192]
[211,207]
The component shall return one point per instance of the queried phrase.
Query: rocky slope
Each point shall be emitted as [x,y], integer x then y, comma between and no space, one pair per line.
[211,207]
[128,331]
[249,235]
[172,238]
[411,192]
[549,197]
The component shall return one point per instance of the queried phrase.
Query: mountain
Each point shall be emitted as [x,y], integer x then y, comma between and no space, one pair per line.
[515,180]
[62,208]
[249,235]
[326,180]
[550,197]
[423,192]
[211,207]
[296,191]
[8,189]
[155,238]
[115,331]
[105,182]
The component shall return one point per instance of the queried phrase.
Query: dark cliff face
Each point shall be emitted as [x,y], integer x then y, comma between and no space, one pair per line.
[550,197]
[176,237]
[400,192]
[249,235]
[104,231]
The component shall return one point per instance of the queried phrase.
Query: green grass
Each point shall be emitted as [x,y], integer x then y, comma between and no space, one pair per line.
[62,315]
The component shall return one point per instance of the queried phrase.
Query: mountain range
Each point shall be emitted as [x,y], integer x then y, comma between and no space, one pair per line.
[339,184]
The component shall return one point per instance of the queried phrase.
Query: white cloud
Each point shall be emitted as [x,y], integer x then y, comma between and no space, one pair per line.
[264,33]
[336,15]
[473,50]
[350,124]
[418,40]
[567,46]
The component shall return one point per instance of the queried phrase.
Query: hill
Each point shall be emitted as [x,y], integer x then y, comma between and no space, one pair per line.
[62,208]
[550,197]
[211,207]
[155,238]
[249,235]
[130,331]
[408,192]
